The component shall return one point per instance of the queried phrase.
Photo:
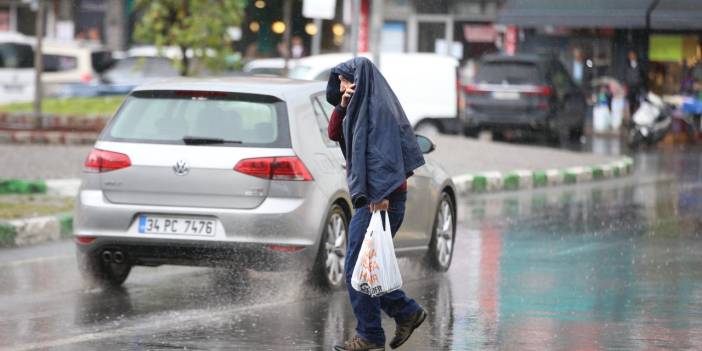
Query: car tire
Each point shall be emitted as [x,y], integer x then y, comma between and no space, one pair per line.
[328,270]
[443,235]
[97,272]
[471,132]
[576,133]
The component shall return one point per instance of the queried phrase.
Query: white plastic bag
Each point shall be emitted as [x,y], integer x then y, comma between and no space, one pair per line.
[376,271]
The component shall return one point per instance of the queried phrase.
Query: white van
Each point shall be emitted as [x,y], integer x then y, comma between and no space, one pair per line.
[65,63]
[16,68]
[427,85]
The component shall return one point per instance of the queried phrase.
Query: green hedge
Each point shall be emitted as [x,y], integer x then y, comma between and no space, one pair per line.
[18,186]
[102,105]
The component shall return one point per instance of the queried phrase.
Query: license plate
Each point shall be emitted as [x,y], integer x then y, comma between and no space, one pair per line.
[505,95]
[177,225]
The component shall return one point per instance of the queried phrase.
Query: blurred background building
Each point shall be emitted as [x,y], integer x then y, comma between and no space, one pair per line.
[665,34]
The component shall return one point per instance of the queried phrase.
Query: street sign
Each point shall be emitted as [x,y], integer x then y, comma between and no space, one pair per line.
[324,9]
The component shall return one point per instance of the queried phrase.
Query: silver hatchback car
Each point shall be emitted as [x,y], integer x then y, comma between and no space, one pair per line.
[236,172]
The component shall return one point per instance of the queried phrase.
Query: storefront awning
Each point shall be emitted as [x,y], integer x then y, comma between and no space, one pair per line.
[677,15]
[582,14]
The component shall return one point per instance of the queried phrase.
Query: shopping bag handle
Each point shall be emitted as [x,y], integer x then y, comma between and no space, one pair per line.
[384,218]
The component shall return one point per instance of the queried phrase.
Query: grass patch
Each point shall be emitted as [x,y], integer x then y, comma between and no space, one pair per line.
[102,105]
[27,206]
[7,234]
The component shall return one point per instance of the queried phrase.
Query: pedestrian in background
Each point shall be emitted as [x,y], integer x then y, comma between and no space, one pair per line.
[635,81]
[381,152]
[581,70]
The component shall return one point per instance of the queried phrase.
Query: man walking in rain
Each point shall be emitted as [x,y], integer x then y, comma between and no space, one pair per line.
[381,152]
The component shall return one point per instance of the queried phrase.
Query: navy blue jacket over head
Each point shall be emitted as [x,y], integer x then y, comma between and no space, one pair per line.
[380,147]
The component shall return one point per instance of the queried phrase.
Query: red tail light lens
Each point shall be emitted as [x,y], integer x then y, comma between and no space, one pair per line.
[257,167]
[84,240]
[471,89]
[539,91]
[274,168]
[104,161]
[86,77]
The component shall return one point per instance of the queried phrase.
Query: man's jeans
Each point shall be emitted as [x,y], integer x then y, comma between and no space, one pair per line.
[367,309]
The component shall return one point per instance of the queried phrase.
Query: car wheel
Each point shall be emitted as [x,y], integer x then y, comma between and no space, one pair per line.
[427,128]
[443,235]
[98,272]
[471,132]
[329,266]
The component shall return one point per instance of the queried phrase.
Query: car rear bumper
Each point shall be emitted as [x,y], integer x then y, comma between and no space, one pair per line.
[520,120]
[292,223]
[155,252]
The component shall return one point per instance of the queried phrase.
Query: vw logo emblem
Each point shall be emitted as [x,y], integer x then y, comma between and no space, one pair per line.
[181,168]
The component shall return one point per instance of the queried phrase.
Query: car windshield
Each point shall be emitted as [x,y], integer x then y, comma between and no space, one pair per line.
[175,117]
[508,72]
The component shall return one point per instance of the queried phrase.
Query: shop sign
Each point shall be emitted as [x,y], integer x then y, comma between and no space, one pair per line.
[4,20]
[479,33]
[324,9]
[671,48]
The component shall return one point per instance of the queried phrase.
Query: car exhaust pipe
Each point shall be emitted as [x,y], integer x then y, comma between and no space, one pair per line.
[107,256]
[118,257]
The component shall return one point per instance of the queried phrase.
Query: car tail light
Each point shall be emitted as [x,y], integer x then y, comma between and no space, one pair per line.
[84,240]
[471,89]
[460,101]
[274,168]
[99,161]
[544,91]
[86,77]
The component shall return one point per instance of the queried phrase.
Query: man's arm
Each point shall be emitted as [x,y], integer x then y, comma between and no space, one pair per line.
[337,117]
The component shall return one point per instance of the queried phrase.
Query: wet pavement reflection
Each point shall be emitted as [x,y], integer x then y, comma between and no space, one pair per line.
[611,265]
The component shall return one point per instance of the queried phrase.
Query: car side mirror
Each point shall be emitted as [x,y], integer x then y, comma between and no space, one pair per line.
[425,144]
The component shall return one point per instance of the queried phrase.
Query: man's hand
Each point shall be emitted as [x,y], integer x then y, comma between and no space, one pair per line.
[381,206]
[347,95]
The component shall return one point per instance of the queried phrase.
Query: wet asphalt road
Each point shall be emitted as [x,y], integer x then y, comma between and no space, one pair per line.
[602,266]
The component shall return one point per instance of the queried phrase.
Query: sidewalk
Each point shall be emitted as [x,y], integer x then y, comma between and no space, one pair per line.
[484,166]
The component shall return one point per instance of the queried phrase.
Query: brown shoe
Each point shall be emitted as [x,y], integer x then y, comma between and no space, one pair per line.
[358,343]
[404,329]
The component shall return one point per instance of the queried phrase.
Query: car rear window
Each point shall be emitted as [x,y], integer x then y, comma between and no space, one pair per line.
[167,117]
[508,72]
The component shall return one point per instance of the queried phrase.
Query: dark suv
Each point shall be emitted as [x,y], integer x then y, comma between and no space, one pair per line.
[531,93]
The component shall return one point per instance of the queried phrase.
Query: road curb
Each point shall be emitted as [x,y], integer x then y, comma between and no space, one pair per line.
[526,179]
[30,231]
[60,187]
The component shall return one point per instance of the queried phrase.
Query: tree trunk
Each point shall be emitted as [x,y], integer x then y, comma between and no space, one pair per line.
[185,62]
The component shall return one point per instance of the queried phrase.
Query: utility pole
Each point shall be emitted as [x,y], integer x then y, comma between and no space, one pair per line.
[317,38]
[376,30]
[38,58]
[355,26]
[287,19]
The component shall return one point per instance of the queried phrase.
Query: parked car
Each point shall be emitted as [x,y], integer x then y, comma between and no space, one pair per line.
[132,71]
[238,172]
[272,66]
[427,85]
[16,68]
[524,92]
[68,66]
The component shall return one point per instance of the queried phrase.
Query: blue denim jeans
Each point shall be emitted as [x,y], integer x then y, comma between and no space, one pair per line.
[367,309]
